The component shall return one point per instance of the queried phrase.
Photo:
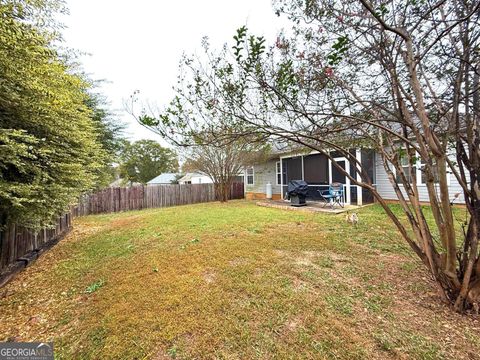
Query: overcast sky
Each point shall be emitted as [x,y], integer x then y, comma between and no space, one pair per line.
[138,44]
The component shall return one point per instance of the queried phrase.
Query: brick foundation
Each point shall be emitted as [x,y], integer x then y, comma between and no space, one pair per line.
[260,196]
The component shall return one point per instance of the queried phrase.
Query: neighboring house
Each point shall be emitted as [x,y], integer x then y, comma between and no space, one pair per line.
[163,179]
[195,178]
[317,170]
[200,178]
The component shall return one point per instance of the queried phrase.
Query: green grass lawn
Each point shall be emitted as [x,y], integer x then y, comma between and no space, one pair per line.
[234,281]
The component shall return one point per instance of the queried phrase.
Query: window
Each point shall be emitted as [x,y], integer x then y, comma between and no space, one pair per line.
[279,173]
[250,176]
[423,176]
[405,165]
[284,170]
[417,169]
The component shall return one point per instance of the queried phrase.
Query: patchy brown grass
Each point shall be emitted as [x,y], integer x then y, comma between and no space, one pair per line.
[234,281]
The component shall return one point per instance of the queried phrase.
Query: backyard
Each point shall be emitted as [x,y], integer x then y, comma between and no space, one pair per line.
[234,281]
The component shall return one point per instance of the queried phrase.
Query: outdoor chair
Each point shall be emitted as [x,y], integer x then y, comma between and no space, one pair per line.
[332,196]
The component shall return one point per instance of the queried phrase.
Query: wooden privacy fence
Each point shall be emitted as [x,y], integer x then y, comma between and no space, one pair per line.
[19,246]
[149,196]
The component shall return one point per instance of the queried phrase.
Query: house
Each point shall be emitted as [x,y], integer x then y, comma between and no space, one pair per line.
[195,178]
[163,179]
[200,178]
[318,171]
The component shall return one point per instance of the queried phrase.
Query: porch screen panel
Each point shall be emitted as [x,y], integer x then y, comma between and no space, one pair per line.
[353,169]
[316,169]
[353,194]
[337,175]
[368,163]
[294,169]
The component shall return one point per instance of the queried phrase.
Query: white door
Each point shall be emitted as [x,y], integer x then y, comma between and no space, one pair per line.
[335,175]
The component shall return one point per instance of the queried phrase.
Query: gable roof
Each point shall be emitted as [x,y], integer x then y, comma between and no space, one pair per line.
[165,178]
[190,175]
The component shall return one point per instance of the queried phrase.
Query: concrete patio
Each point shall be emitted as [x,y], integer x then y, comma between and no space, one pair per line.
[312,206]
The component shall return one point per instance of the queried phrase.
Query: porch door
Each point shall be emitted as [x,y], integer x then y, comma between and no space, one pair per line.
[315,174]
[293,169]
[337,176]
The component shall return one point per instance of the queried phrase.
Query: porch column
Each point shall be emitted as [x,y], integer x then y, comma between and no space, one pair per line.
[358,155]
[303,170]
[245,182]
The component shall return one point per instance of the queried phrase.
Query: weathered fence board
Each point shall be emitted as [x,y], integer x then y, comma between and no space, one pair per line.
[17,242]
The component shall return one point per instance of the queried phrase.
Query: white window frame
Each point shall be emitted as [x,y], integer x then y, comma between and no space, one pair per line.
[247,175]
[278,172]
[407,166]
[418,171]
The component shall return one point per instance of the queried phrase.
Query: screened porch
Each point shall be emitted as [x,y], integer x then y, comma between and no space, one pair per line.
[319,172]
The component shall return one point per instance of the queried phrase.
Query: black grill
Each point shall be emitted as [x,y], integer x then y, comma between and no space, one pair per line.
[297,190]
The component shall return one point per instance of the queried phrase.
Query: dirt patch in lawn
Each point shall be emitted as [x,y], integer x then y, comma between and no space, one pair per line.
[209,277]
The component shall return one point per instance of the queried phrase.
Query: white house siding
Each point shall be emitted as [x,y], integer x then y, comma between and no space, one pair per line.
[263,174]
[201,179]
[385,188]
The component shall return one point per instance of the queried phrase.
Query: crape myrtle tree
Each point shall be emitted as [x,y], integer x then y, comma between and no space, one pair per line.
[400,77]
[210,142]
[222,163]
[220,153]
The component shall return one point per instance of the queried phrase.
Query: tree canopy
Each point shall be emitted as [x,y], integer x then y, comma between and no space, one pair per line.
[51,150]
[401,77]
[143,160]
[109,132]
[223,164]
